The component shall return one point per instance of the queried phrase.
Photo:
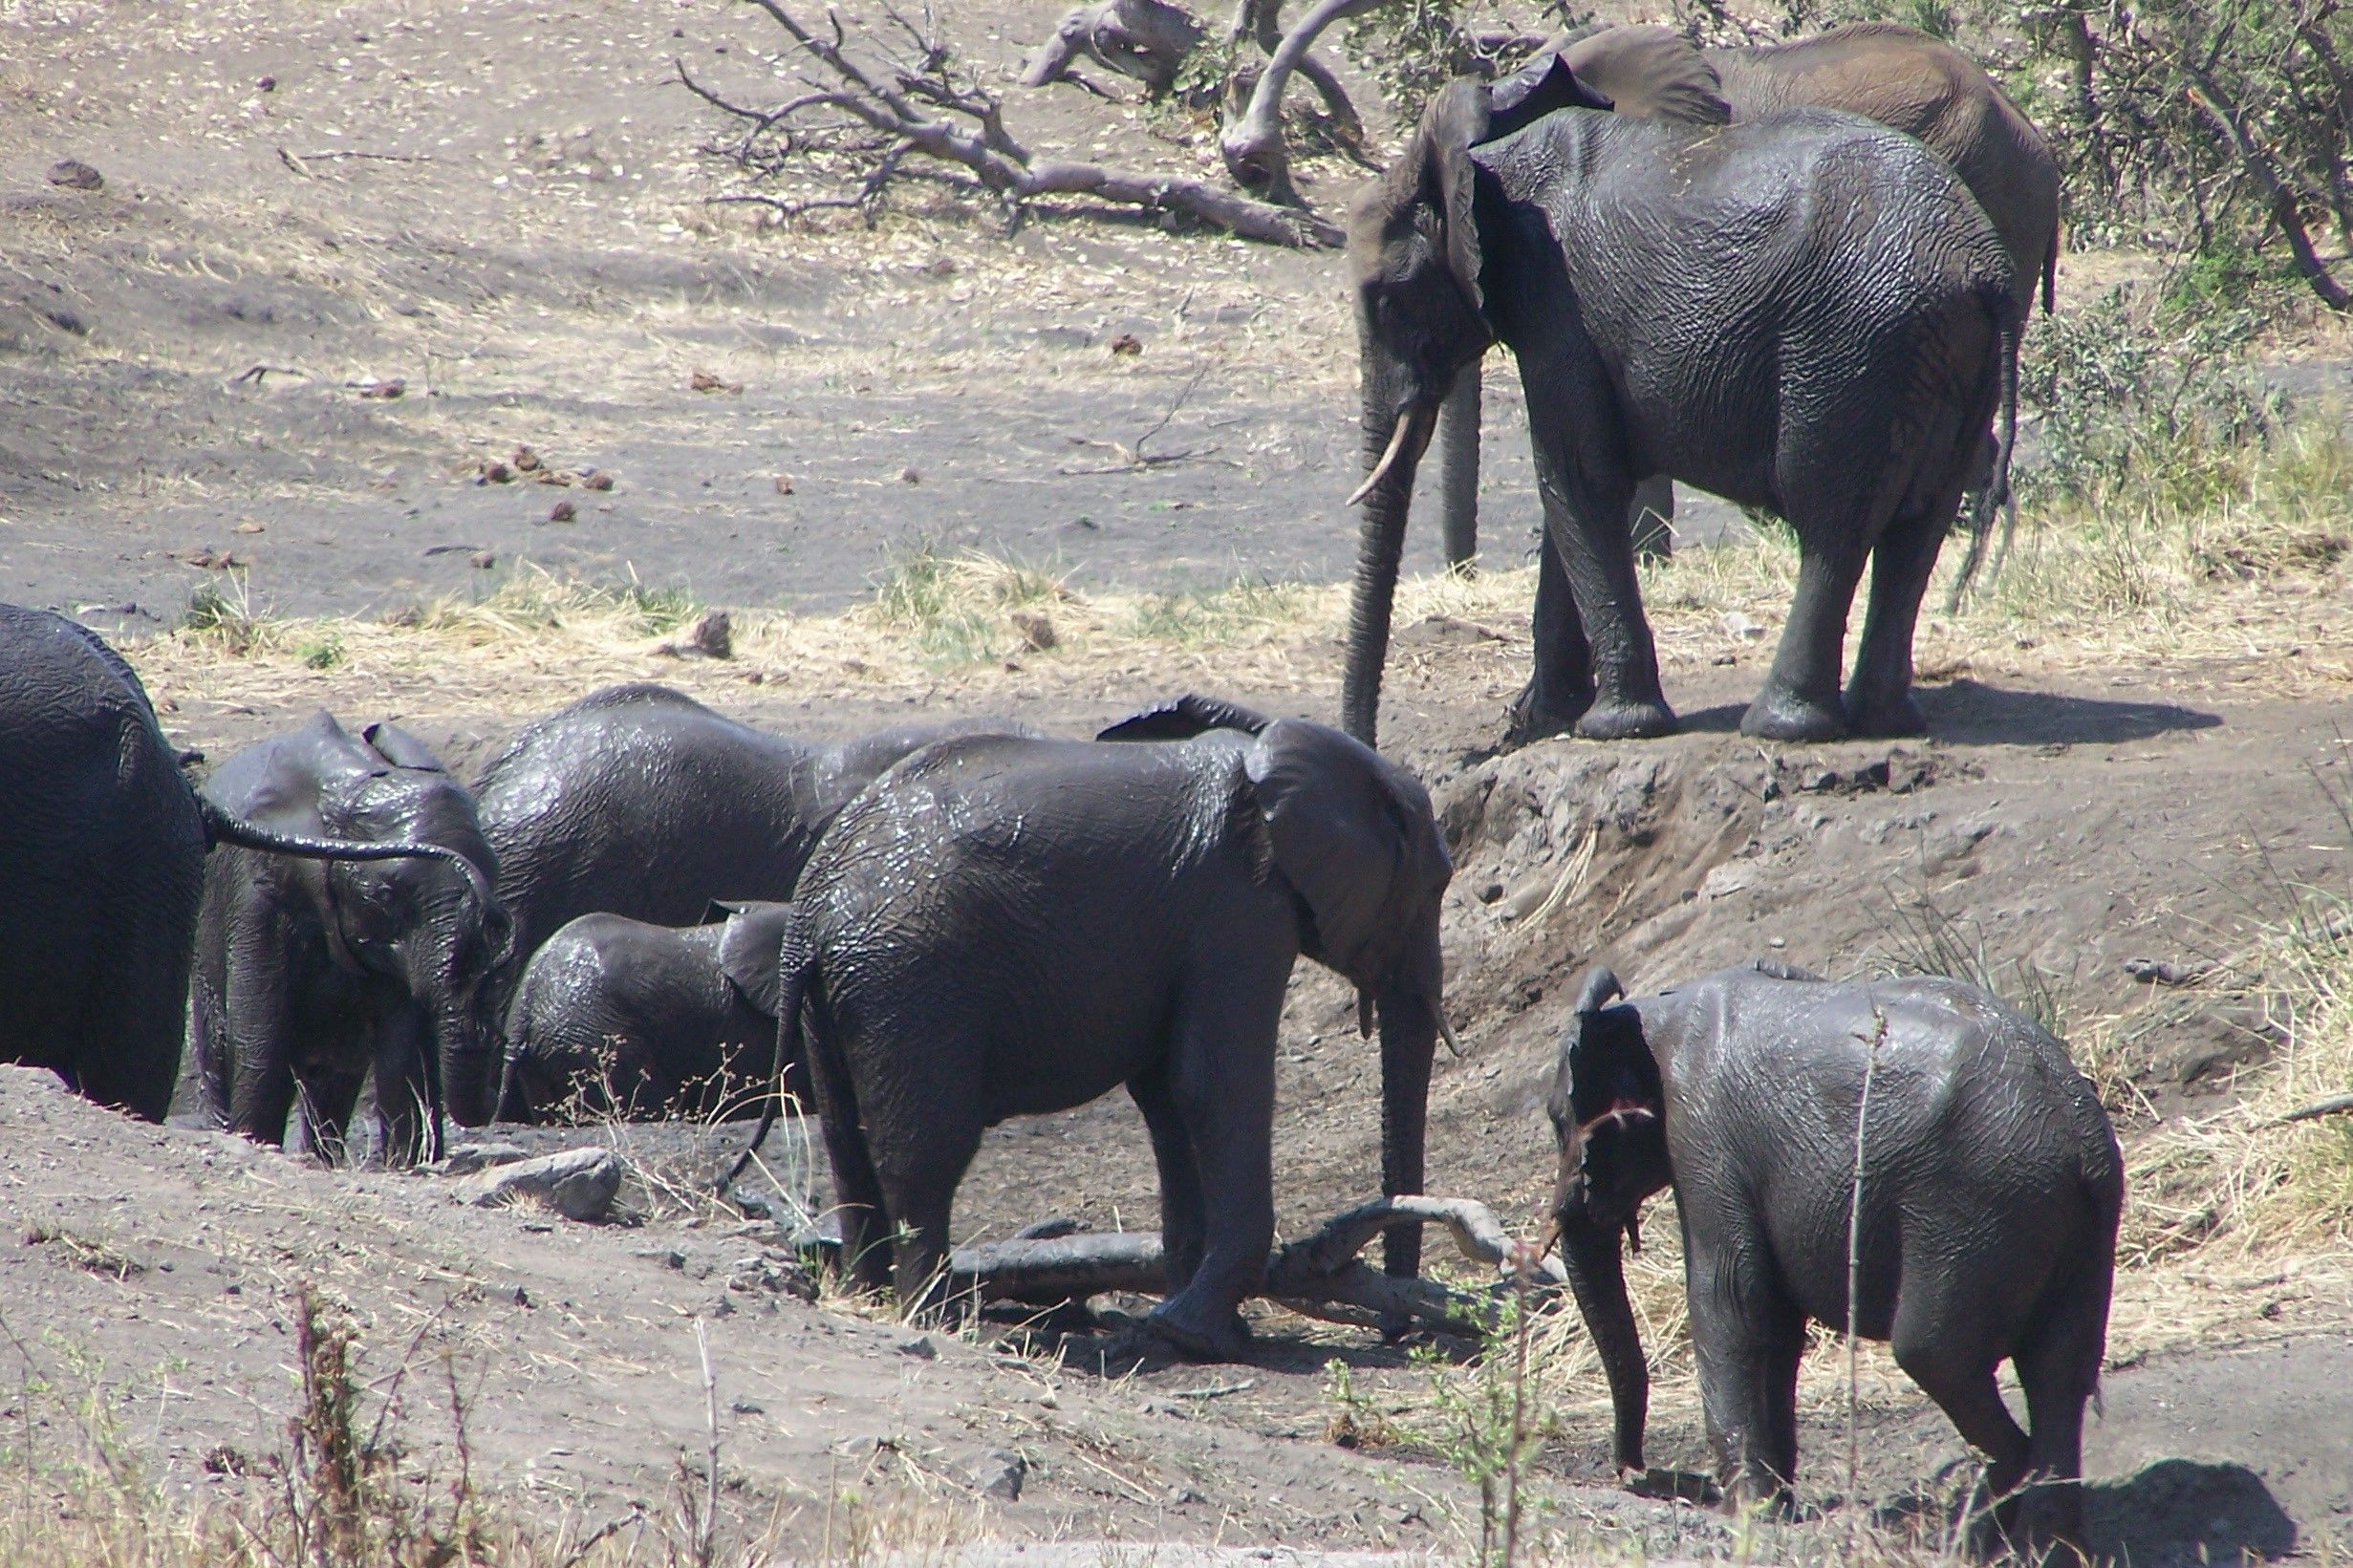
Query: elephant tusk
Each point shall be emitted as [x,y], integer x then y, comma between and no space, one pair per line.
[1446,1033]
[1407,422]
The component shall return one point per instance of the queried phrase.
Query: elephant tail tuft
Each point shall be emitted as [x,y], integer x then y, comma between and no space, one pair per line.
[1996,497]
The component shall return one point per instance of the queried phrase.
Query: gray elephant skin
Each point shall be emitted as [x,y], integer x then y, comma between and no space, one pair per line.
[1992,1184]
[1897,76]
[101,863]
[1807,313]
[1006,926]
[308,977]
[618,1017]
[639,800]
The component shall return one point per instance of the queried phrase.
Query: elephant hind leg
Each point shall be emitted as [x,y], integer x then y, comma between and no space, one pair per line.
[1938,1348]
[1878,699]
[2059,1368]
[1747,1337]
[1799,700]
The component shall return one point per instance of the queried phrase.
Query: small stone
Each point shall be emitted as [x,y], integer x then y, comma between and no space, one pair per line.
[1037,630]
[908,476]
[494,473]
[525,459]
[702,381]
[578,1183]
[784,484]
[482,560]
[1128,344]
[1001,1475]
[920,1347]
[248,526]
[76,175]
[267,84]
[748,1406]
[563,511]
[1741,626]
[467,1158]
[596,478]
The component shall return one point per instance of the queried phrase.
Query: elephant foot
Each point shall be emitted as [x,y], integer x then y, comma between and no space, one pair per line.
[1887,718]
[1199,1332]
[1621,721]
[1532,716]
[1786,715]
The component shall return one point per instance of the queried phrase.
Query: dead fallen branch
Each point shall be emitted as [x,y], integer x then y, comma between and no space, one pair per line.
[1253,148]
[1319,1275]
[1146,39]
[857,128]
[2335,1104]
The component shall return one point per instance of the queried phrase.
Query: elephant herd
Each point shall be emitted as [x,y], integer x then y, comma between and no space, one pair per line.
[1794,277]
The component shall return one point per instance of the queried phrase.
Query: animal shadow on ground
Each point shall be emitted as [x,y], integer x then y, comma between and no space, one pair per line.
[2169,1514]
[1971,714]
[2177,1513]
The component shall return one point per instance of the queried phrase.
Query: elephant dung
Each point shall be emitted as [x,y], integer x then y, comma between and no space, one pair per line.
[579,1183]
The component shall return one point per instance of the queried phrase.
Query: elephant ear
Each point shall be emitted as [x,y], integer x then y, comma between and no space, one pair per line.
[752,950]
[1527,96]
[1454,121]
[1182,717]
[402,749]
[1352,834]
[1650,72]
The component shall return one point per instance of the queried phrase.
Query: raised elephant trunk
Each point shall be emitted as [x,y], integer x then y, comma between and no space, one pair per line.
[1394,446]
[1591,1250]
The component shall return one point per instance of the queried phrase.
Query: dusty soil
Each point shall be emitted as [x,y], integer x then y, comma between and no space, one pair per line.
[545,273]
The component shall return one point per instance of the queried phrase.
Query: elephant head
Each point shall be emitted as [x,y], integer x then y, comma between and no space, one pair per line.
[1352,835]
[1415,257]
[1608,1115]
[431,923]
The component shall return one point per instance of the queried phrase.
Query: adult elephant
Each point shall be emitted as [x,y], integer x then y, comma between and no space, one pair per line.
[616,1016]
[309,978]
[1992,1184]
[639,800]
[101,861]
[1897,76]
[1807,313]
[1004,926]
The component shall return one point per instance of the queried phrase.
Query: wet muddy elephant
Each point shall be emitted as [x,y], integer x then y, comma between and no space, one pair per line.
[311,978]
[1007,926]
[639,800]
[618,1017]
[1894,74]
[1992,1184]
[1807,313]
[102,847]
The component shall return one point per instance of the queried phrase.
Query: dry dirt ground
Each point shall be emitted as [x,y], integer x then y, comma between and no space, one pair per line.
[533,260]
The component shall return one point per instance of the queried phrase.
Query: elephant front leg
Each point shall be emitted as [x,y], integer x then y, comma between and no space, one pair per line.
[1222,1077]
[1586,496]
[1746,1339]
[1560,688]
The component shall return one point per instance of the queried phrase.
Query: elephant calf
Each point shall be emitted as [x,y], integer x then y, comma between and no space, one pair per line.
[1990,1188]
[1001,926]
[615,1015]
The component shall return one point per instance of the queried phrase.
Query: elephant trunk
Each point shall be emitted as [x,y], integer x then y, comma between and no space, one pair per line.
[1592,1251]
[1410,1007]
[1393,443]
[1457,438]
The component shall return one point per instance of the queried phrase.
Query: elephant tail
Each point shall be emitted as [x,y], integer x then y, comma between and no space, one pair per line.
[795,958]
[1996,496]
[2050,273]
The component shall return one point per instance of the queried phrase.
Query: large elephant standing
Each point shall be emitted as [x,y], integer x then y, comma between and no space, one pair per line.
[1807,313]
[103,852]
[1004,926]
[1992,1184]
[1894,74]
[616,1016]
[309,978]
[639,800]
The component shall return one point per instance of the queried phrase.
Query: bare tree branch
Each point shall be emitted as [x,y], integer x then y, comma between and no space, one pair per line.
[1253,146]
[1146,39]
[925,109]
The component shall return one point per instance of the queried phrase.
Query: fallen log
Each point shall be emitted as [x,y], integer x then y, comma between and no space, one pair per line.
[1318,1275]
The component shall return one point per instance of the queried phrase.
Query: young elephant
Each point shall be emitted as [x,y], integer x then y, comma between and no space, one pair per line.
[1990,1188]
[1004,926]
[308,977]
[645,1021]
